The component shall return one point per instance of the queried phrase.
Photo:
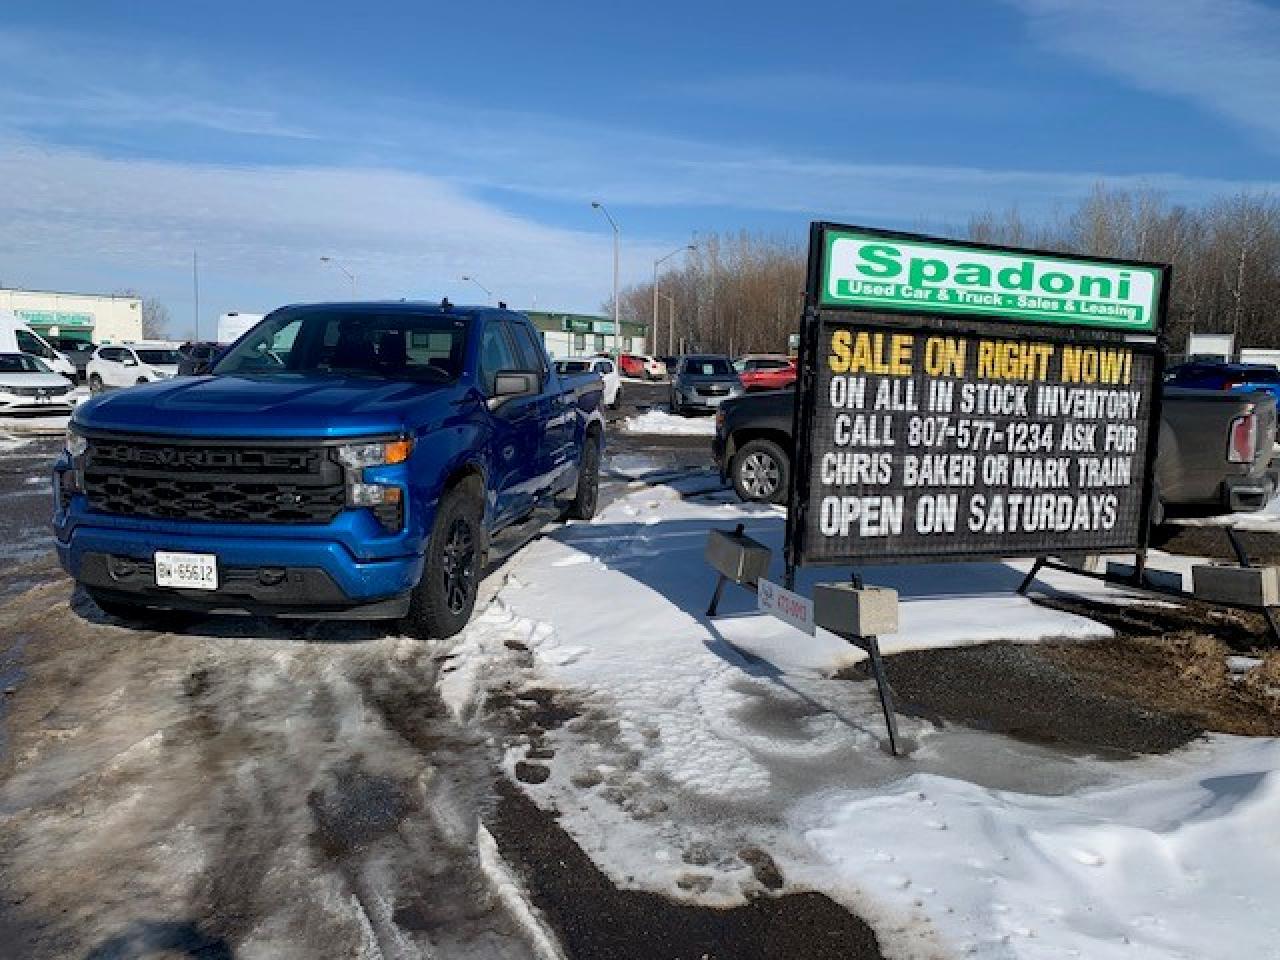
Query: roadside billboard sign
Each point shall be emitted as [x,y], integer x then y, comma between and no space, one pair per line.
[929,431]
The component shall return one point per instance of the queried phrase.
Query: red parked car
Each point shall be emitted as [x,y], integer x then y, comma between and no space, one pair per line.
[631,365]
[766,372]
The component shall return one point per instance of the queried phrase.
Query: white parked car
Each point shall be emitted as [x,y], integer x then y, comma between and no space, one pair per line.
[17,337]
[126,364]
[27,385]
[607,369]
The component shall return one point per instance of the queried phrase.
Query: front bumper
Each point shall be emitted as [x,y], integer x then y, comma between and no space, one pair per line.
[273,590]
[27,406]
[350,566]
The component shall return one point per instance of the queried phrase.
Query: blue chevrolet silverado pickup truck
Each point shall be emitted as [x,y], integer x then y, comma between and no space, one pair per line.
[347,460]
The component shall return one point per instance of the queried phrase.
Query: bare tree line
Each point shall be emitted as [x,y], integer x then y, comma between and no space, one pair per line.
[743,292]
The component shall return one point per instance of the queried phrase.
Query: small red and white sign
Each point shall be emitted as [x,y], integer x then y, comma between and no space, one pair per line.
[786,605]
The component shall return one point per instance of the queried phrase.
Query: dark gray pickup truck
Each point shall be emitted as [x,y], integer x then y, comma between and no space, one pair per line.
[1215,449]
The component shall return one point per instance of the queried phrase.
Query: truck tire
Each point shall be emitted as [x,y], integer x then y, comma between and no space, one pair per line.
[587,496]
[761,472]
[443,600]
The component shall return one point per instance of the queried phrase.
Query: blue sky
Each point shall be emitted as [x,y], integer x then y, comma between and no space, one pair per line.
[418,142]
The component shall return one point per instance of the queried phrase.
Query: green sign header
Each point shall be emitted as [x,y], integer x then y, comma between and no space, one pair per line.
[54,318]
[884,273]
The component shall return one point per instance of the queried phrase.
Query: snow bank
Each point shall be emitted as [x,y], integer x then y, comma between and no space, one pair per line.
[1173,867]
[666,424]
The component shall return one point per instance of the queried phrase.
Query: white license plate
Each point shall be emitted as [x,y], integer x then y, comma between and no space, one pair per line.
[191,571]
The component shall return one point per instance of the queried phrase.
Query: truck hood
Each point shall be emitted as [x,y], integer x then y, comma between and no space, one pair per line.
[287,405]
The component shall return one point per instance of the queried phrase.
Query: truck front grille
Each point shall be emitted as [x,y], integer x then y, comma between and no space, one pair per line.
[219,482]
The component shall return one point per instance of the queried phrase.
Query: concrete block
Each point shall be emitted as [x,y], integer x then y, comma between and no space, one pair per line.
[1160,579]
[1085,562]
[861,611]
[737,556]
[1238,586]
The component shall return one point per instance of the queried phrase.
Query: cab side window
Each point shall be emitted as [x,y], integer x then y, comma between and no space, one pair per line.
[496,354]
[533,354]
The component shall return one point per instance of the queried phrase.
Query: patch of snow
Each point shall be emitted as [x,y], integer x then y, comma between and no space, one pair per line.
[1266,520]
[665,424]
[636,465]
[1158,868]
[1241,665]
[9,444]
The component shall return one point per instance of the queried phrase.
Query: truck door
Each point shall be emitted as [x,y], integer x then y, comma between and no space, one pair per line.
[558,411]
[516,428]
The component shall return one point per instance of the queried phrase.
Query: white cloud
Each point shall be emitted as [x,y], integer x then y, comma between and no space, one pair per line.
[403,234]
[1223,55]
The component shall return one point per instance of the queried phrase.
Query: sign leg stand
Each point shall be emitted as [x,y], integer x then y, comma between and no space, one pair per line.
[872,646]
[1273,620]
[1140,568]
[715,597]
[1030,577]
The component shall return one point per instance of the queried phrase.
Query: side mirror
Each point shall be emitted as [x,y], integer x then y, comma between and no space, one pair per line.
[510,384]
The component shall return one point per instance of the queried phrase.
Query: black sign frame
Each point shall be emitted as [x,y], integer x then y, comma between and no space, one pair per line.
[927,322]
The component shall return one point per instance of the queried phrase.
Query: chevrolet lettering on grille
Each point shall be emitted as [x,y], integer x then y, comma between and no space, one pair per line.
[212,459]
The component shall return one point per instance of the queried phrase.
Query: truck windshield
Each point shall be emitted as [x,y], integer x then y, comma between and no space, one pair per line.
[397,345]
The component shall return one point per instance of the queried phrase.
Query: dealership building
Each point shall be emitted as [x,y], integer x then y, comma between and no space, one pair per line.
[93,317]
[582,334]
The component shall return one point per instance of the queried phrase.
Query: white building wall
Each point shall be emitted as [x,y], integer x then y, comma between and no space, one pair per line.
[112,319]
[561,344]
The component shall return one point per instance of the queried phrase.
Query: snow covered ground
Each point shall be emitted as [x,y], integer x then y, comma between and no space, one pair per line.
[662,423]
[696,740]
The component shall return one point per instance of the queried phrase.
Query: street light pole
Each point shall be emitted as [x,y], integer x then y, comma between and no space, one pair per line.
[487,292]
[671,324]
[350,276]
[687,248]
[617,323]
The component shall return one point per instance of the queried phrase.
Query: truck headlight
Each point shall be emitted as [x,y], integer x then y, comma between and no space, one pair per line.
[357,456]
[75,444]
